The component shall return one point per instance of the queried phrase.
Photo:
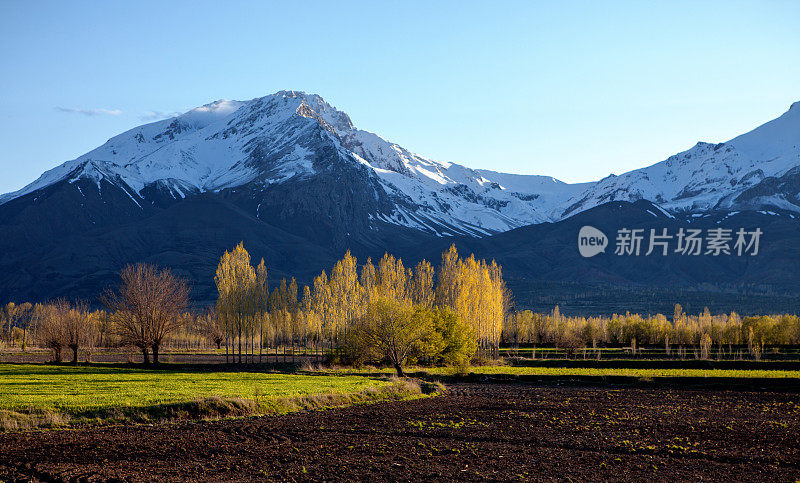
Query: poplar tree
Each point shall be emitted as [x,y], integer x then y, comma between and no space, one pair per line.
[421,285]
[367,280]
[236,280]
[261,302]
[476,291]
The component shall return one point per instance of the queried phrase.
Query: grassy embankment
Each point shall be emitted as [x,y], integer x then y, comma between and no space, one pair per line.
[496,370]
[50,396]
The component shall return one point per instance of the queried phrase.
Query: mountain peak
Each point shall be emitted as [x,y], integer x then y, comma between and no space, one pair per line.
[311,106]
[333,117]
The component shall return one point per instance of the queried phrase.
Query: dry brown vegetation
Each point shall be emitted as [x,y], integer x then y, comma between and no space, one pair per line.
[703,331]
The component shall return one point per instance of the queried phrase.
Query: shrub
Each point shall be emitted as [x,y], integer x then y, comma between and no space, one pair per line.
[459,343]
[399,333]
[391,331]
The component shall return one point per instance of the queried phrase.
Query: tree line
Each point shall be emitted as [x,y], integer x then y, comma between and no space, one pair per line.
[703,330]
[357,313]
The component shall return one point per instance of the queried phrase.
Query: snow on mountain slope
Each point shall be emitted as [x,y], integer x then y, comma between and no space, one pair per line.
[534,183]
[292,135]
[204,149]
[707,176]
[450,192]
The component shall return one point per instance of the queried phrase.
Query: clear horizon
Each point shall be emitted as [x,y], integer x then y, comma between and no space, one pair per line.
[574,90]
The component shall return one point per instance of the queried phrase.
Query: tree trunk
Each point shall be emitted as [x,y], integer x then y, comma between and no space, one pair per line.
[399,369]
[145,355]
[74,348]
[155,353]
[57,355]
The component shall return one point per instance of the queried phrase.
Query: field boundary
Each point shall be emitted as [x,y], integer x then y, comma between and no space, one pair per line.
[750,384]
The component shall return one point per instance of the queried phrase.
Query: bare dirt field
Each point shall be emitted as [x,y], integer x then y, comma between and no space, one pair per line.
[476,431]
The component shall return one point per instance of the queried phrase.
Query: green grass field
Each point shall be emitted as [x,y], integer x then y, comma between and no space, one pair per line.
[41,395]
[79,388]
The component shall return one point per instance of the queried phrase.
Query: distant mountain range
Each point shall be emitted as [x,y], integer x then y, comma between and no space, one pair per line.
[291,176]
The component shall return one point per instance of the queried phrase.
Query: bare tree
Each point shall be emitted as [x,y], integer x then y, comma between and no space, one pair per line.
[147,306]
[78,327]
[211,327]
[50,328]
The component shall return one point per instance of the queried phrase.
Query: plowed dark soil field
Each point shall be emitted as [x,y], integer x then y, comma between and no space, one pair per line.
[474,432]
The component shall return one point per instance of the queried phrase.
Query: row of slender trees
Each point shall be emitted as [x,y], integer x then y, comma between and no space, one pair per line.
[680,329]
[321,318]
[15,316]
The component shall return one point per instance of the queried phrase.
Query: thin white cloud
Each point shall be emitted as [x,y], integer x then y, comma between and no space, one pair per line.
[89,112]
[158,115]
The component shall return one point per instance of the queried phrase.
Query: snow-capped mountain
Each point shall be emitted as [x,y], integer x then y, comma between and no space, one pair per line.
[743,173]
[289,151]
[292,135]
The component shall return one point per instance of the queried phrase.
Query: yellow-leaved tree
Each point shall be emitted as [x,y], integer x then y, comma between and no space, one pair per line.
[241,296]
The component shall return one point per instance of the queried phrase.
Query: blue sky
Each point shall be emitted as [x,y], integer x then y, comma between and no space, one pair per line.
[576,90]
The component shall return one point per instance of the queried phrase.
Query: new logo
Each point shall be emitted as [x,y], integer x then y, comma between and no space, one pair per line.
[591,241]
